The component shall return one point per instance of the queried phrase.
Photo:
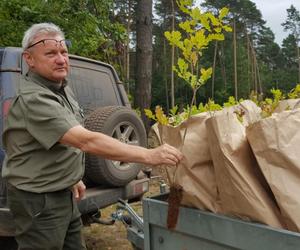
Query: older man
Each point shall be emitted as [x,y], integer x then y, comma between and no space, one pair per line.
[44,141]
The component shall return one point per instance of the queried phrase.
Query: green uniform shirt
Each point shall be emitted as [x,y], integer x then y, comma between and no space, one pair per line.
[39,116]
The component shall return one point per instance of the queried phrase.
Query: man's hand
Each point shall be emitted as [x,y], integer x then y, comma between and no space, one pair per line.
[165,154]
[79,190]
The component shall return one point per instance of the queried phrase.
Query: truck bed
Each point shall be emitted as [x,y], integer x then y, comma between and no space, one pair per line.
[201,230]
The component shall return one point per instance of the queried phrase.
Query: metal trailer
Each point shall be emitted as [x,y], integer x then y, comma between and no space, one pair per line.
[202,230]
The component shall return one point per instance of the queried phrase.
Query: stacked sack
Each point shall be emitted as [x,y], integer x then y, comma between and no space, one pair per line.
[275,141]
[240,165]
[243,190]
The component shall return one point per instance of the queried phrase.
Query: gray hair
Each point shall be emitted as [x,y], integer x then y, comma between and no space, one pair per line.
[40,28]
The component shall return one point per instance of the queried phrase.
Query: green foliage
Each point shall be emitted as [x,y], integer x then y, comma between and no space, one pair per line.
[269,105]
[138,112]
[276,66]
[292,22]
[231,102]
[211,106]
[199,29]
[295,93]
[159,115]
[86,23]
[175,117]
[277,94]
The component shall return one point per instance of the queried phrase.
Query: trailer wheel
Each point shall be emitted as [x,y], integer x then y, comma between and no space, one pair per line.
[124,125]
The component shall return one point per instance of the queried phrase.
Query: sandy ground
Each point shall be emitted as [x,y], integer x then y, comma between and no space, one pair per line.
[103,237]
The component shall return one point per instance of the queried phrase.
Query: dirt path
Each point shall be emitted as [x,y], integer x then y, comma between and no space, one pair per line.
[102,237]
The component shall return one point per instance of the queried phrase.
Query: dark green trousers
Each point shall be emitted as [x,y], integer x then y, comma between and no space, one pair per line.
[46,221]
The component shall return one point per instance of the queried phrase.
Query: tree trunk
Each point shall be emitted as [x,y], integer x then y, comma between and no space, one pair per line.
[248,62]
[214,73]
[254,71]
[257,80]
[127,55]
[253,77]
[222,65]
[165,77]
[298,57]
[235,62]
[143,67]
[172,59]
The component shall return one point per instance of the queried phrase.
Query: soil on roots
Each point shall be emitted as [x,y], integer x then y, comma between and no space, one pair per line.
[174,201]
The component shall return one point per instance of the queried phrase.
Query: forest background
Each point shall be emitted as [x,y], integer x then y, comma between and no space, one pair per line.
[129,34]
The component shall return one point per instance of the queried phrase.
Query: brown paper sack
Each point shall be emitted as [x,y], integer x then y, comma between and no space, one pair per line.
[195,173]
[287,105]
[252,113]
[275,142]
[242,188]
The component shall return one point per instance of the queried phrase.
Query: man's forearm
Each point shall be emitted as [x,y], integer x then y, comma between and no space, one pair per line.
[110,148]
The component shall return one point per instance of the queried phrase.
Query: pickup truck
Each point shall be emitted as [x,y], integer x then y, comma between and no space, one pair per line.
[103,100]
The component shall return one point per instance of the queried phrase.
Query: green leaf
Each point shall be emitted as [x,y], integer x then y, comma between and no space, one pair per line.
[196,13]
[185,5]
[213,19]
[174,110]
[223,12]
[200,40]
[173,37]
[201,108]
[218,29]
[218,37]
[227,28]
[231,102]
[204,21]
[186,26]
[160,116]
[149,114]
[205,74]
[183,66]
[295,93]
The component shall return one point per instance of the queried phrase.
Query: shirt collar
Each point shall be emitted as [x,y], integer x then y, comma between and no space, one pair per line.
[46,82]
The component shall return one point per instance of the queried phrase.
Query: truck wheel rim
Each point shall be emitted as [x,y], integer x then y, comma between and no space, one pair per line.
[125,132]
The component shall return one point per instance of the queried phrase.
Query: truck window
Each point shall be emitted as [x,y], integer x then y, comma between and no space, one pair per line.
[92,88]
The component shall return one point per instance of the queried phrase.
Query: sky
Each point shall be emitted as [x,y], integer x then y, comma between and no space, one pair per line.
[274,13]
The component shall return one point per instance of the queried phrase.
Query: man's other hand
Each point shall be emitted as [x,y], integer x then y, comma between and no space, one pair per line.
[79,190]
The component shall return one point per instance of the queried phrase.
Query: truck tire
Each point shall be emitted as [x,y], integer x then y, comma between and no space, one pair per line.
[124,125]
